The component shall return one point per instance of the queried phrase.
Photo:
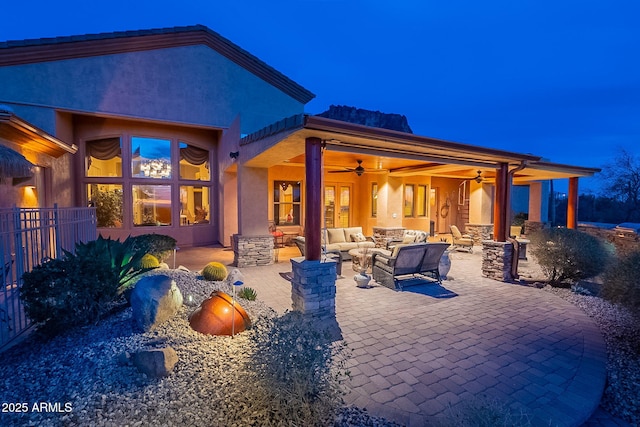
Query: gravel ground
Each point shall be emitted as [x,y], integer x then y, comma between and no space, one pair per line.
[79,379]
[621,332]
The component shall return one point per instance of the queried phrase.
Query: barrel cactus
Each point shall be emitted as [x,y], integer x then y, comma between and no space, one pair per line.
[214,271]
[149,261]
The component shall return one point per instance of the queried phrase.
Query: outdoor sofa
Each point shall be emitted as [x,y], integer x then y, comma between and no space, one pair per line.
[342,240]
[417,259]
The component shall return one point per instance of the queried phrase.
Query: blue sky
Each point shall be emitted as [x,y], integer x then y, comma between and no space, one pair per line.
[559,79]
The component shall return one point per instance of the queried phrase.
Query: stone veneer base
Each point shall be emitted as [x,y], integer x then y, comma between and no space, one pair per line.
[252,251]
[313,288]
[496,260]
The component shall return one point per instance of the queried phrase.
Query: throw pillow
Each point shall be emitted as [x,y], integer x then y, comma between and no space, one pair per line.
[408,239]
[358,237]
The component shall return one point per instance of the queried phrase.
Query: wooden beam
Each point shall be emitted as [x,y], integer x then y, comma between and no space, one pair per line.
[313,198]
[572,204]
[501,205]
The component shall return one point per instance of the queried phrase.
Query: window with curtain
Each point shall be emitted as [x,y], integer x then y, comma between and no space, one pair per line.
[286,202]
[194,162]
[104,157]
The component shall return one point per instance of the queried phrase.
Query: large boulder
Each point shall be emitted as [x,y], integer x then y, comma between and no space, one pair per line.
[154,300]
[155,363]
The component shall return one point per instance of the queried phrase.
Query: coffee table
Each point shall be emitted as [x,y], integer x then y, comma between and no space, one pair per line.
[362,257]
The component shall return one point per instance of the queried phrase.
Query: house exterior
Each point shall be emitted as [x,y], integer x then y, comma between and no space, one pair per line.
[179,131]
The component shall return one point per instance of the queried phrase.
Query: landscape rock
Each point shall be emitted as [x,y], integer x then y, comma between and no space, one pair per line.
[154,300]
[155,363]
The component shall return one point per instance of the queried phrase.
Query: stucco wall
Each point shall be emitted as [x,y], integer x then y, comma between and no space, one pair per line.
[192,84]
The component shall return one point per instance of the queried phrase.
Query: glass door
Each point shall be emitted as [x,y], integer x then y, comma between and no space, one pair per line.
[337,201]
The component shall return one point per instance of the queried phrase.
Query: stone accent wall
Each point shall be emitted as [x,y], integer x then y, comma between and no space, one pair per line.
[313,288]
[496,260]
[382,234]
[478,232]
[252,251]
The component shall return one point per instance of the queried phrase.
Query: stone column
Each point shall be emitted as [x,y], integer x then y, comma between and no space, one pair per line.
[252,251]
[496,260]
[313,288]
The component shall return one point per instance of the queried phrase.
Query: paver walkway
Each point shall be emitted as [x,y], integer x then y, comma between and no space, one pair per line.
[417,355]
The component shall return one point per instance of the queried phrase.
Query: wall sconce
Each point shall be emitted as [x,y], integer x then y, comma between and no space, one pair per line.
[284,186]
[234,155]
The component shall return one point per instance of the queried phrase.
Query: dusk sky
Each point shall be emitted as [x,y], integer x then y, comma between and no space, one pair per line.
[559,79]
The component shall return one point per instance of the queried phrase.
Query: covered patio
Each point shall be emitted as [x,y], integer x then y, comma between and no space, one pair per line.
[352,175]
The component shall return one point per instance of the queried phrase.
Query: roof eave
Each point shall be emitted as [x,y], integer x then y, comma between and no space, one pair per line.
[39,140]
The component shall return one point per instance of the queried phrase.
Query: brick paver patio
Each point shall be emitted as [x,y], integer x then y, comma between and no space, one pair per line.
[416,355]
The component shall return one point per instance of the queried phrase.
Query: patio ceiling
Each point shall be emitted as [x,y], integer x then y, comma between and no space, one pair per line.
[396,153]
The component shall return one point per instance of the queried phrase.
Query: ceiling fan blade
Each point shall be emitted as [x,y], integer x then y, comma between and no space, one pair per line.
[345,171]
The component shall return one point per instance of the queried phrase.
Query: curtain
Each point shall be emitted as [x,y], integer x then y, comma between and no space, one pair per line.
[104,149]
[194,155]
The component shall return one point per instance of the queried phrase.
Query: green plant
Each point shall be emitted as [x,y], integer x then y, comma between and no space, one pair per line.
[214,271]
[297,373]
[567,255]
[149,261]
[620,284]
[158,245]
[248,293]
[81,286]
[108,205]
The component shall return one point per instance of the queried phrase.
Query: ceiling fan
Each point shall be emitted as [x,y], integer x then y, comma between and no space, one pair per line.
[478,178]
[358,170]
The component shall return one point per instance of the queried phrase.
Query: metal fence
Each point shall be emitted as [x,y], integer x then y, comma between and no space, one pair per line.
[27,238]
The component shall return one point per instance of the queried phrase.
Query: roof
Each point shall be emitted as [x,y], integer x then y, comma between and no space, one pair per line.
[71,47]
[20,132]
[398,153]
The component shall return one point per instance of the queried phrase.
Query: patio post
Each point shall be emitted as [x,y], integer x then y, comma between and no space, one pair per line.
[501,207]
[313,194]
[572,203]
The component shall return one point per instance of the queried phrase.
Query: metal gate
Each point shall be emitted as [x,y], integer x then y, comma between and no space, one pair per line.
[27,238]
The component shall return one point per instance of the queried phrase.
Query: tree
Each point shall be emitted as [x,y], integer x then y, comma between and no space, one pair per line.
[622,183]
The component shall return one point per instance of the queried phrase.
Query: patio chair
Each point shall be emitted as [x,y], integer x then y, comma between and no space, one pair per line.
[405,260]
[461,240]
[431,261]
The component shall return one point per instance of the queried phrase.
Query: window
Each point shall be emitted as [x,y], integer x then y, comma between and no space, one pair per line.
[151,205]
[194,162]
[286,202]
[104,157]
[150,158]
[408,200]
[108,201]
[421,201]
[374,199]
[194,205]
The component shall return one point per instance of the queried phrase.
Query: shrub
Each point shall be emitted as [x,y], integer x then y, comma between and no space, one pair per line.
[621,284]
[79,288]
[248,294]
[214,271]
[149,261]
[158,245]
[297,373]
[567,255]
[484,412]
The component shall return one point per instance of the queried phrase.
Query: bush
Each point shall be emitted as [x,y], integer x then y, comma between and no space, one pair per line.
[567,255]
[297,373]
[247,293]
[158,245]
[80,287]
[214,271]
[621,284]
